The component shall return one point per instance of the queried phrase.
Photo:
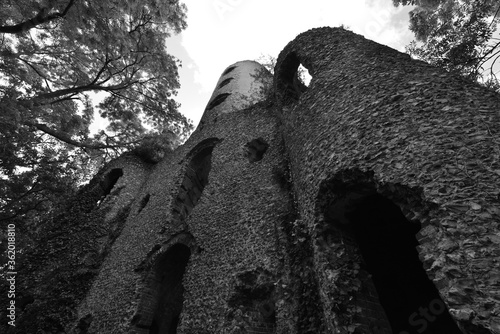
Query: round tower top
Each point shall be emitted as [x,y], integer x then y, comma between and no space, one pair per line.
[242,84]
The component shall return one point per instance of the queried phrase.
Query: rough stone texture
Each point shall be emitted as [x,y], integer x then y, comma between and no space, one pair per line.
[58,272]
[261,221]
[426,139]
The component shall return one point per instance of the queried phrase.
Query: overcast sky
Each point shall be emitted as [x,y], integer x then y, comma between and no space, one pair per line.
[222,32]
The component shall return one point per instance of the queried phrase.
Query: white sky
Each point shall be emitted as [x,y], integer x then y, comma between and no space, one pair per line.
[222,32]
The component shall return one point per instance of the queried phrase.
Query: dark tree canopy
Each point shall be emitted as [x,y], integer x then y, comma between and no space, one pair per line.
[457,35]
[55,55]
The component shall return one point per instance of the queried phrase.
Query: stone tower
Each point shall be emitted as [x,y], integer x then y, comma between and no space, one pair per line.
[365,202]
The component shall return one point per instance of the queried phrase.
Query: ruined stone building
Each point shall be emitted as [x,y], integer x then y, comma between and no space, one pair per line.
[367,201]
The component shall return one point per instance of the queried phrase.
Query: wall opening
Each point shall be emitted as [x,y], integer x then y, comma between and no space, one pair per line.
[110,180]
[255,149]
[225,82]
[144,202]
[303,75]
[252,304]
[293,79]
[169,290]
[229,70]
[195,179]
[386,241]
[217,100]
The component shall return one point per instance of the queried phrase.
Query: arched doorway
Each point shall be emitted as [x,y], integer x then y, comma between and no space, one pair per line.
[169,290]
[387,243]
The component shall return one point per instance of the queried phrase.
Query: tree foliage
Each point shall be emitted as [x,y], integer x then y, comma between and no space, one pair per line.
[56,58]
[457,35]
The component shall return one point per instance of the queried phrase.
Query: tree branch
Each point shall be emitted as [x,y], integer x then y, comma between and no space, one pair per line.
[483,59]
[39,19]
[67,138]
[81,89]
[494,16]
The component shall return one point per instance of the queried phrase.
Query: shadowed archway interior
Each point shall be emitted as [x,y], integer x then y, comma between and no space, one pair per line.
[170,291]
[387,243]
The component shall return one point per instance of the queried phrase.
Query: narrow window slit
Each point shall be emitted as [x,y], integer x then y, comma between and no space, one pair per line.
[229,70]
[217,100]
[143,203]
[225,82]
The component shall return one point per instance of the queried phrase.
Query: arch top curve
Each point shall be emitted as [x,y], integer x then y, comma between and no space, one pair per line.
[184,238]
[202,145]
[160,304]
[309,49]
[159,251]
[352,185]
[323,52]
[372,221]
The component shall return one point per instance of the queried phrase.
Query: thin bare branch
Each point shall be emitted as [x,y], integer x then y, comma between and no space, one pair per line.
[67,138]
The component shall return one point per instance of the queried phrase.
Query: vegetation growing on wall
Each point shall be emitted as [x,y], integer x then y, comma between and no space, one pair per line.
[62,63]
[54,276]
[304,286]
[300,290]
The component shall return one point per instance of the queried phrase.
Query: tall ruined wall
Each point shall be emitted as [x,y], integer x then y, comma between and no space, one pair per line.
[198,251]
[56,275]
[195,231]
[374,125]
[365,202]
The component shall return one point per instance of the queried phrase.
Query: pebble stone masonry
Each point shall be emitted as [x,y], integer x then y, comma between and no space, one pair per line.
[365,202]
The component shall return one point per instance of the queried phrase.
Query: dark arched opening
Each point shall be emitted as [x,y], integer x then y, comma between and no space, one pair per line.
[293,79]
[201,165]
[195,179]
[110,180]
[169,273]
[387,243]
